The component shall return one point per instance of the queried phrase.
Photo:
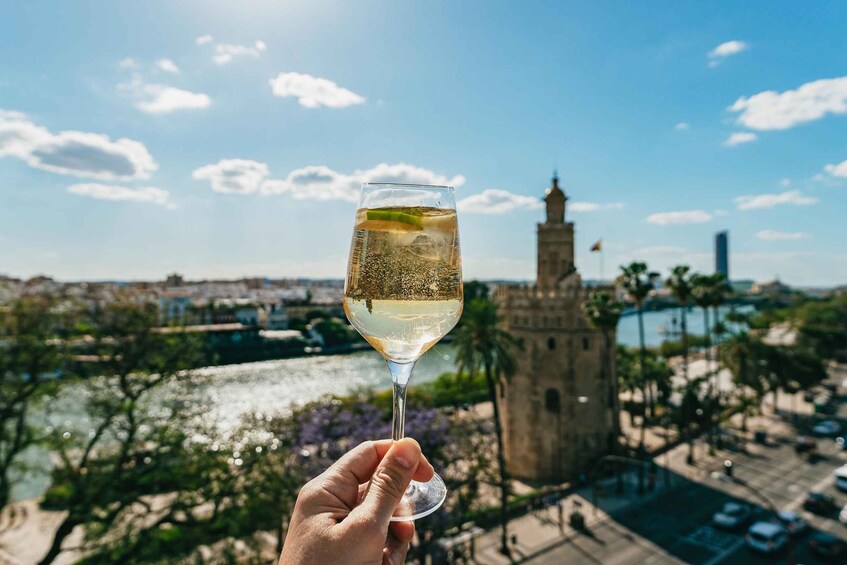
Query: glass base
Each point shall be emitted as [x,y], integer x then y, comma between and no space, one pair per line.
[421,499]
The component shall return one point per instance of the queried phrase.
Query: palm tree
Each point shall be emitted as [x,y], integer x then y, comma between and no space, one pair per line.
[703,290]
[680,285]
[741,355]
[638,282]
[603,312]
[482,344]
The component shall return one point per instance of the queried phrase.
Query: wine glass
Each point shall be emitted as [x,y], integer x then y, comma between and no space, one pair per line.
[403,293]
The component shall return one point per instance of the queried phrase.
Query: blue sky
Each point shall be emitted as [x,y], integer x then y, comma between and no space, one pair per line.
[222,140]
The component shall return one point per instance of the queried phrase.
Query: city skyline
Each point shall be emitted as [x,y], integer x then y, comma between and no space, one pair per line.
[231,143]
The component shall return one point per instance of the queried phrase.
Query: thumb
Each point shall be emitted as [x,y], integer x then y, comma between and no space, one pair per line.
[390,482]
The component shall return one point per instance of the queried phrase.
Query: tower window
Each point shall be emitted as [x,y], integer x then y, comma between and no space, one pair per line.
[551,400]
[585,344]
[559,321]
[551,343]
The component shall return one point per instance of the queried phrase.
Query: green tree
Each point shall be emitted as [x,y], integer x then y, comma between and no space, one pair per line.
[603,312]
[638,283]
[823,326]
[629,377]
[679,282]
[705,290]
[481,344]
[134,437]
[29,352]
[742,355]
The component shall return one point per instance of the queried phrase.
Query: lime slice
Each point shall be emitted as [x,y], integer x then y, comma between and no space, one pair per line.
[394,216]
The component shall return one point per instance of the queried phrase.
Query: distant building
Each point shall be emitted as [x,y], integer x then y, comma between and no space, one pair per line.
[250,316]
[173,307]
[174,280]
[560,408]
[277,317]
[722,253]
[774,289]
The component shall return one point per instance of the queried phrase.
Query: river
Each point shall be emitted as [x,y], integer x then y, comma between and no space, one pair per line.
[272,386]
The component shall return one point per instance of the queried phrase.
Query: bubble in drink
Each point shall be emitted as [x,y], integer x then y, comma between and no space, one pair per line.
[404,291]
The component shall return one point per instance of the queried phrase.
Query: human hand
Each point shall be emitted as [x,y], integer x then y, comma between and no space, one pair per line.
[344,514]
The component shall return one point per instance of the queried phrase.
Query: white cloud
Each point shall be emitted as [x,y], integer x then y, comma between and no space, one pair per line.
[839,170]
[724,50]
[313,92]
[594,206]
[74,153]
[318,182]
[720,213]
[128,63]
[162,98]
[168,66]
[793,197]
[682,126]
[739,137]
[773,235]
[785,182]
[204,39]
[226,52]
[313,182]
[147,194]
[770,110]
[497,201]
[682,217]
[233,176]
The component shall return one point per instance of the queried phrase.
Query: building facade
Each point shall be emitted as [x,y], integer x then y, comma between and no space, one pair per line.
[722,253]
[560,409]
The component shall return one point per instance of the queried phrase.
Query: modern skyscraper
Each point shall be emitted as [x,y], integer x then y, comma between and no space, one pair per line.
[722,253]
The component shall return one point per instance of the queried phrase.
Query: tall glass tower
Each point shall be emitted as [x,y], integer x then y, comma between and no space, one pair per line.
[722,253]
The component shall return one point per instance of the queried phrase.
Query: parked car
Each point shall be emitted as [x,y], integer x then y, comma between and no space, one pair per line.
[793,523]
[842,516]
[766,537]
[819,503]
[827,428]
[841,478]
[732,515]
[805,444]
[827,546]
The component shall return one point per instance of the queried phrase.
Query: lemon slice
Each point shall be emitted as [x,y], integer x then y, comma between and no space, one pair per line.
[385,218]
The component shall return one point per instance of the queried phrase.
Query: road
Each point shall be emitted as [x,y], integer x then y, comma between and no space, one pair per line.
[672,525]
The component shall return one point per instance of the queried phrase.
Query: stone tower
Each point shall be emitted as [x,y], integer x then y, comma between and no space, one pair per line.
[559,409]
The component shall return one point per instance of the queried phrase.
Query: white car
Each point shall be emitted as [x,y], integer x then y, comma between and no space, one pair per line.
[732,515]
[827,427]
[791,521]
[766,537]
[842,516]
[841,478]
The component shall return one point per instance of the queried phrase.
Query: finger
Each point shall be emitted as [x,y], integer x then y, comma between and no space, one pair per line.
[424,472]
[355,467]
[402,532]
[389,483]
[397,544]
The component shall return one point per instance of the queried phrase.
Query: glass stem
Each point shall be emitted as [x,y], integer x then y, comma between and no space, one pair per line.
[400,375]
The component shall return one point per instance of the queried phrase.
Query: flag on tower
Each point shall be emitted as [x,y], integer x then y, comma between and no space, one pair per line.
[597,246]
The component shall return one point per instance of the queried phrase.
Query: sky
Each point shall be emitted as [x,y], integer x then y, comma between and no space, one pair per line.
[224,139]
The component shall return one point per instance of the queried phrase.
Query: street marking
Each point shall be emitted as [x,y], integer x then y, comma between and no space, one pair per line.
[710,538]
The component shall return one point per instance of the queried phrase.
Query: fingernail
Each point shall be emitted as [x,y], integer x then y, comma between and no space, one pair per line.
[406,452]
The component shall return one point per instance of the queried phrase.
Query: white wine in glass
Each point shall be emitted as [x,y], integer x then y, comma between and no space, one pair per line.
[403,292]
